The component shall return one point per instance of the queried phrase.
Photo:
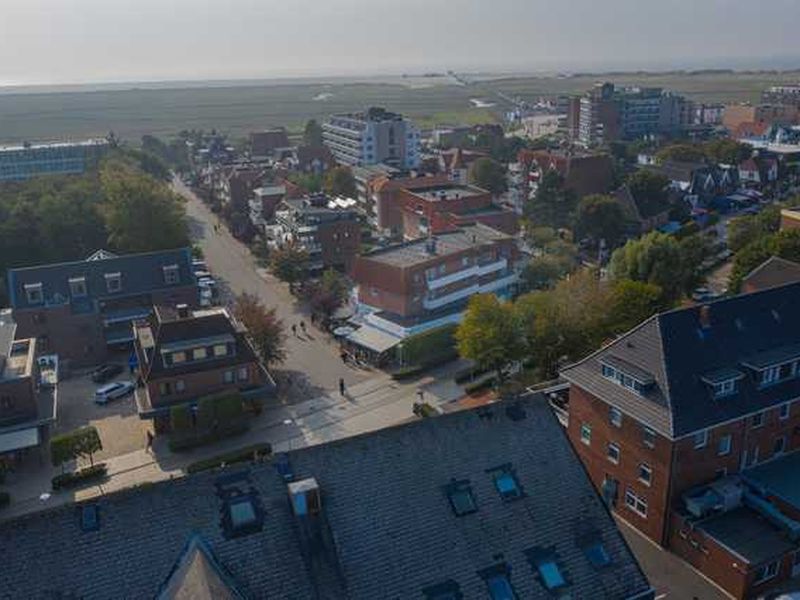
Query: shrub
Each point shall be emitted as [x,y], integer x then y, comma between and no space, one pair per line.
[424,410]
[429,347]
[180,418]
[178,443]
[68,446]
[5,499]
[243,455]
[228,408]
[205,413]
[86,475]
[469,373]
[479,386]
[407,372]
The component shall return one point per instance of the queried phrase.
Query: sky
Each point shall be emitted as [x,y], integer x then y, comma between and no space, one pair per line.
[87,41]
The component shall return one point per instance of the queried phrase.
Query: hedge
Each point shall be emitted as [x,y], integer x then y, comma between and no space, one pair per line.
[238,456]
[429,347]
[178,443]
[469,373]
[180,418]
[479,385]
[70,480]
[5,499]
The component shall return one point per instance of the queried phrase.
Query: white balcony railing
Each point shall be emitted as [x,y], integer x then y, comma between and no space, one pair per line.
[475,270]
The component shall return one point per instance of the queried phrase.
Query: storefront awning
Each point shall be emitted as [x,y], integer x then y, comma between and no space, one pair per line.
[19,439]
[373,339]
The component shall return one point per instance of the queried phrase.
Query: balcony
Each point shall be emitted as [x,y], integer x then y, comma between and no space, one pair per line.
[473,271]
[434,303]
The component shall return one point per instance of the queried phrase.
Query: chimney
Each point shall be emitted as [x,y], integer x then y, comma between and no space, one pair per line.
[183,311]
[304,495]
[705,316]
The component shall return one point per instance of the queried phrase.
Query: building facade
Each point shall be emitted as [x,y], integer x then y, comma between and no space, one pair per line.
[184,356]
[83,310]
[675,420]
[372,137]
[58,158]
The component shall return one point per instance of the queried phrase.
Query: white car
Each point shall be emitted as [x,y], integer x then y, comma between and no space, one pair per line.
[112,391]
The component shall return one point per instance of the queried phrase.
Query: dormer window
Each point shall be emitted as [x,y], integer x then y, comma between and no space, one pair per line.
[724,388]
[171,274]
[723,382]
[77,287]
[626,375]
[33,291]
[113,282]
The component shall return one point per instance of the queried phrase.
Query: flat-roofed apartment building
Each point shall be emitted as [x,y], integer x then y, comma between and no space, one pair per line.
[418,285]
[23,161]
[689,425]
[372,137]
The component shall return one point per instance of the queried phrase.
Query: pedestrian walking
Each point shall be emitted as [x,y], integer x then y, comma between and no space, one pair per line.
[294,330]
[313,318]
[303,326]
[149,444]
[420,395]
[341,386]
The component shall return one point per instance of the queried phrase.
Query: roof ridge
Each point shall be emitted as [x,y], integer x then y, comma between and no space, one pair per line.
[85,260]
[667,394]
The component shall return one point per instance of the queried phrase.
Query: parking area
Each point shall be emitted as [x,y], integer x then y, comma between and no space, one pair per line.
[118,423]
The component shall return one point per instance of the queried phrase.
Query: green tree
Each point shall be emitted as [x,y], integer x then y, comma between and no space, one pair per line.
[339,181]
[264,329]
[310,182]
[728,151]
[83,442]
[289,264]
[650,190]
[488,333]
[785,244]
[747,229]
[312,134]
[545,271]
[488,174]
[681,153]
[141,214]
[631,303]
[552,205]
[601,218]
[330,293]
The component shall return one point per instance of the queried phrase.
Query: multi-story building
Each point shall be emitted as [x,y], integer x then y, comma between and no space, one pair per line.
[583,174]
[82,310]
[415,286]
[372,137]
[328,229]
[737,116]
[782,94]
[26,409]
[57,158]
[366,179]
[608,113]
[688,425]
[504,511]
[184,356]
[269,142]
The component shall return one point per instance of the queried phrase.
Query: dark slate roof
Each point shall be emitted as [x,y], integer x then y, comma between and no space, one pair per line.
[199,576]
[681,355]
[772,272]
[387,529]
[748,534]
[141,273]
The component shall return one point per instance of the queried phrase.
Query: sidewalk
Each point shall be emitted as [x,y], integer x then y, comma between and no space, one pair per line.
[373,404]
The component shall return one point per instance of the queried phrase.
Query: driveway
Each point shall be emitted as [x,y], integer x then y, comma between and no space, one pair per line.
[312,364]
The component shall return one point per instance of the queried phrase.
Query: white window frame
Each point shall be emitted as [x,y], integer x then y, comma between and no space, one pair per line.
[172,274]
[770,571]
[200,353]
[647,434]
[729,438]
[645,468]
[697,437]
[586,434]
[34,289]
[180,386]
[178,357]
[220,349]
[784,411]
[116,279]
[615,416]
[613,453]
[725,388]
[757,420]
[782,451]
[636,503]
[80,283]
[243,374]
[228,376]
[769,376]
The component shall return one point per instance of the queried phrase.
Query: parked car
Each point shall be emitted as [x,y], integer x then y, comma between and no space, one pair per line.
[105,372]
[112,391]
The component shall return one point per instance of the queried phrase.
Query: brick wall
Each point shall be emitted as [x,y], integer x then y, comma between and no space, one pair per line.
[17,401]
[340,241]
[201,384]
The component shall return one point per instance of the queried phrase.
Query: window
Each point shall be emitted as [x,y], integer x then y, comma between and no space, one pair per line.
[645,474]
[220,350]
[783,413]
[597,555]
[586,433]
[243,374]
[648,437]
[171,274]
[180,385]
[724,445]
[757,420]
[165,388]
[700,439]
[506,484]
[636,503]
[615,416]
[550,574]
[765,572]
[724,388]
[77,287]
[461,499]
[613,453]
[33,291]
[769,376]
[178,357]
[113,282]
[787,370]
[227,377]
[780,445]
[500,587]
[465,261]
[199,353]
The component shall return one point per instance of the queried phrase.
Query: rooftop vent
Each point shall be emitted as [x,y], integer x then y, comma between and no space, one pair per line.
[90,517]
[183,311]
[305,498]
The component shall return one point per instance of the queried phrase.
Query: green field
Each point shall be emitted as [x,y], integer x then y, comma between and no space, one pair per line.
[239,108]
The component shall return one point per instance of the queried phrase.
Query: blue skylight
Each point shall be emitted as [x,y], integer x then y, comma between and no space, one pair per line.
[597,555]
[551,575]
[242,514]
[500,587]
[506,485]
[461,499]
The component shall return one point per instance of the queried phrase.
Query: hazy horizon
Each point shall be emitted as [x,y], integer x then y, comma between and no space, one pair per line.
[52,42]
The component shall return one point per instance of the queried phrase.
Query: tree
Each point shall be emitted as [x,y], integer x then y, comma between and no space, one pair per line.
[312,134]
[681,153]
[544,271]
[747,229]
[264,329]
[727,151]
[330,293]
[310,182]
[289,263]
[552,205]
[631,303]
[339,181]
[650,190]
[488,333]
[141,214]
[488,174]
[601,218]
[83,442]
[785,244]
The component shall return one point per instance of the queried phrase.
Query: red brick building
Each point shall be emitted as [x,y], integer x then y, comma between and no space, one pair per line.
[773,272]
[674,419]
[184,356]
[583,174]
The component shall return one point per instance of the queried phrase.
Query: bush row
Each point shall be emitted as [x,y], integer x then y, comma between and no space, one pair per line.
[80,477]
[187,442]
[244,455]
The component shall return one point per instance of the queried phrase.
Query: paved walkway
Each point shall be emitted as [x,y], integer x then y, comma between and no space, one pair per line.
[373,404]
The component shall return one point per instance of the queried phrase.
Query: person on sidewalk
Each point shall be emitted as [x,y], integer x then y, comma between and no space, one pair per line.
[421,394]
[341,386]
[303,326]
[149,444]
[294,330]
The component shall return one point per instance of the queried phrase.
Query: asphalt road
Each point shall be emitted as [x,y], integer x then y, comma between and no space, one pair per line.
[312,364]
